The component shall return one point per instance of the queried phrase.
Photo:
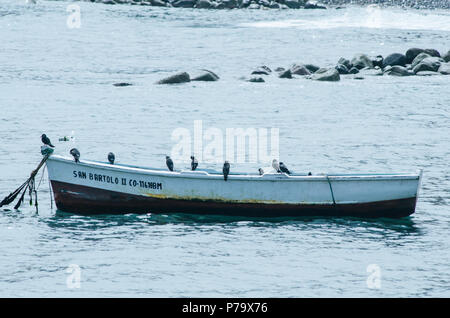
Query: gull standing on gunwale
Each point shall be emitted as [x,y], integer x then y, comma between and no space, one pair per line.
[75,153]
[194,163]
[169,163]
[111,158]
[284,169]
[276,165]
[226,170]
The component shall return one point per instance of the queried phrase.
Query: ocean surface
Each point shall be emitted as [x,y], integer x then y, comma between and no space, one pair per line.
[55,79]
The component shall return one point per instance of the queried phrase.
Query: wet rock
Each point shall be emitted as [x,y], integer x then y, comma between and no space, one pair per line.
[428,64]
[444,69]
[314,5]
[353,70]
[206,76]
[397,70]
[361,61]
[158,3]
[312,68]
[230,4]
[184,4]
[342,69]
[367,71]
[182,77]
[262,70]
[330,75]
[253,6]
[285,74]
[419,58]
[108,2]
[427,73]
[300,69]
[446,56]
[122,84]
[256,80]
[377,61]
[280,69]
[394,59]
[432,52]
[274,5]
[345,62]
[411,54]
[293,4]
[204,4]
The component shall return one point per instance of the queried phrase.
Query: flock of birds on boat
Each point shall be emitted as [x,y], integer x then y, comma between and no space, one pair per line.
[279,167]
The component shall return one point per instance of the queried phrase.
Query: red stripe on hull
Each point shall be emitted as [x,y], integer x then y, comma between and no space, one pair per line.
[87,200]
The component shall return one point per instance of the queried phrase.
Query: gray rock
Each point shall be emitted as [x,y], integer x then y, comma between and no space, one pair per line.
[285,74]
[314,5]
[427,73]
[206,76]
[274,5]
[371,71]
[394,59]
[300,69]
[419,59]
[253,6]
[411,54]
[428,64]
[353,70]
[122,84]
[397,70]
[377,61]
[293,4]
[342,69]
[182,77]
[330,75]
[158,3]
[446,56]
[432,52]
[256,80]
[345,62]
[262,70]
[184,3]
[361,61]
[204,4]
[280,69]
[444,69]
[312,68]
[230,4]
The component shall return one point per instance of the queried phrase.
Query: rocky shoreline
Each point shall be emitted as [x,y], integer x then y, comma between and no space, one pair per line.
[279,4]
[414,62]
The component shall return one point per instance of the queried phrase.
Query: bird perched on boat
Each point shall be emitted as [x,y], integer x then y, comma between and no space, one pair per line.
[261,171]
[75,154]
[226,170]
[111,158]
[276,165]
[46,140]
[169,163]
[284,169]
[194,163]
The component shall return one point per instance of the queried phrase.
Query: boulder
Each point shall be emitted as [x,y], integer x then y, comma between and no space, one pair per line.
[428,64]
[361,61]
[345,62]
[206,76]
[274,5]
[444,69]
[330,75]
[256,80]
[432,52]
[262,70]
[419,58]
[394,59]
[311,67]
[285,74]
[371,71]
[426,73]
[230,4]
[342,69]
[411,54]
[280,69]
[377,61]
[184,3]
[182,77]
[397,70]
[204,4]
[300,69]
[314,5]
[253,6]
[446,56]
[293,4]
[158,3]
[353,70]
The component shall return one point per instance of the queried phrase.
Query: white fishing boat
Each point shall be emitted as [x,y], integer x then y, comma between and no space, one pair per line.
[91,187]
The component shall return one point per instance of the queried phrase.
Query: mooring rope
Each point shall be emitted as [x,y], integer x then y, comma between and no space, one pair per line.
[27,185]
[331,189]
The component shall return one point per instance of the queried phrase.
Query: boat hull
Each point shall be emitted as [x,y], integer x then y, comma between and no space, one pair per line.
[87,200]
